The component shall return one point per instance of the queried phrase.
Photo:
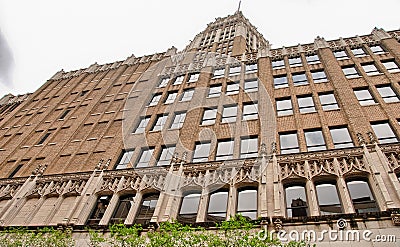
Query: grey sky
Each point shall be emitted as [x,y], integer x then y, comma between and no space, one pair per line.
[46,35]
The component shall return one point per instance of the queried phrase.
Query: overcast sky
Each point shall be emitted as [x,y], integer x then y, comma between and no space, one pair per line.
[40,37]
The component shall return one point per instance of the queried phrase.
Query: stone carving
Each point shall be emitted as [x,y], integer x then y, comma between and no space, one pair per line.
[371,137]
[39,170]
[360,139]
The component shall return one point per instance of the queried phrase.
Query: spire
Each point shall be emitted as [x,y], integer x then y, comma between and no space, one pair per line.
[239,6]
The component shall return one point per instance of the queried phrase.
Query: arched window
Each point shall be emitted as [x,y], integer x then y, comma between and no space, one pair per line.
[328,199]
[217,206]
[99,210]
[147,208]
[189,207]
[296,201]
[247,203]
[121,211]
[361,196]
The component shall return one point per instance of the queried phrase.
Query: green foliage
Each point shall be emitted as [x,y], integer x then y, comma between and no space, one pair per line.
[44,237]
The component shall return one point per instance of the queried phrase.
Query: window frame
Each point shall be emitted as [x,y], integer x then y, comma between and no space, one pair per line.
[309,140]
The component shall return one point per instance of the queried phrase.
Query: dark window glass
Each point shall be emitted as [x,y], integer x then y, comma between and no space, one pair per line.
[224,150]
[388,94]
[41,141]
[284,107]
[315,140]
[247,203]
[209,116]
[121,211]
[289,143]
[99,210]
[166,156]
[341,137]
[12,174]
[201,152]
[146,209]
[328,199]
[328,102]
[384,133]
[306,104]
[125,159]
[296,201]
[299,79]
[361,196]
[364,97]
[64,114]
[217,206]
[145,157]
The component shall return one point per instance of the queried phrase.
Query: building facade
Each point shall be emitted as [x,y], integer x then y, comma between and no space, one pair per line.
[296,136]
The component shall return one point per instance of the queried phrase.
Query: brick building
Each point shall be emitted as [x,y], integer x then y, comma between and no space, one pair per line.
[298,136]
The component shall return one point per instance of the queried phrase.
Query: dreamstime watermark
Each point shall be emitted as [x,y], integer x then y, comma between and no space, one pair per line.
[330,235]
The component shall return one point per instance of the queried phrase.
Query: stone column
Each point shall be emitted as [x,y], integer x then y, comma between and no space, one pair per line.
[203,206]
[312,198]
[130,219]
[344,196]
[112,205]
[232,202]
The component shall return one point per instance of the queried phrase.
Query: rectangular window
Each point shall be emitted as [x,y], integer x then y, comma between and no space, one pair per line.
[229,114]
[249,147]
[214,91]
[350,72]
[178,120]
[384,132]
[187,95]
[142,125]
[306,104]
[328,101]
[289,143]
[312,59]
[391,66]
[315,140]
[171,98]
[201,152]
[209,116]
[387,93]
[251,68]
[219,73]
[145,158]
[340,55]
[64,114]
[284,107]
[319,76]
[295,61]
[377,49]
[163,82]
[41,141]
[250,111]
[125,159]
[299,79]
[341,137]
[179,80]
[358,52]
[12,174]
[364,97]
[166,156]
[161,119]
[280,81]
[154,101]
[224,150]
[232,88]
[251,85]
[194,77]
[370,69]
[278,64]
[234,70]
